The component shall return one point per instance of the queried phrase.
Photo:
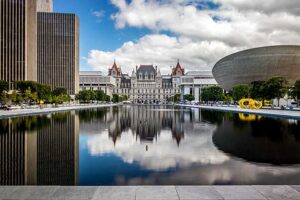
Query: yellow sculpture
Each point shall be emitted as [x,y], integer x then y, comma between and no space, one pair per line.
[250,104]
[248,118]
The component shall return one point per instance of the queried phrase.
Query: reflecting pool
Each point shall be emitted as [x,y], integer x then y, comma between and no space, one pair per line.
[144,145]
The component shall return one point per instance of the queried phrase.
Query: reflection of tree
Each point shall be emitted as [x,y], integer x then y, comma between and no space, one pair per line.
[89,115]
[213,116]
[29,123]
[265,140]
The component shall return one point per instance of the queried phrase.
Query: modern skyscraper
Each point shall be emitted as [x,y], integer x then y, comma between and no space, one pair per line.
[44,6]
[18,40]
[58,50]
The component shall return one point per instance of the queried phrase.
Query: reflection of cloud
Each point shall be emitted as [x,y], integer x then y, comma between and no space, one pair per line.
[229,172]
[162,154]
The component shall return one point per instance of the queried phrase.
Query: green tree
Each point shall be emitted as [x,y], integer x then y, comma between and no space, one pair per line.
[4,97]
[43,91]
[295,91]
[228,98]
[34,97]
[86,96]
[175,98]
[116,98]
[3,91]
[276,88]
[107,98]
[22,86]
[20,98]
[125,98]
[59,91]
[240,91]
[213,93]
[14,96]
[29,96]
[100,95]
[257,90]
[3,86]
[189,97]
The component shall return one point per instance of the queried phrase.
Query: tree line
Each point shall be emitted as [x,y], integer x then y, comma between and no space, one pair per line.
[31,92]
[87,96]
[274,88]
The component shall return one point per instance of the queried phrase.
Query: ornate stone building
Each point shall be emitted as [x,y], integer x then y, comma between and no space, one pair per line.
[146,84]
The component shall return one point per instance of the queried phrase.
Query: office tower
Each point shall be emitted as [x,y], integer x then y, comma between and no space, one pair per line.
[58,50]
[44,6]
[18,40]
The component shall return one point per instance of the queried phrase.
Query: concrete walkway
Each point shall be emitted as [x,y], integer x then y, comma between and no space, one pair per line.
[150,192]
[35,111]
[291,114]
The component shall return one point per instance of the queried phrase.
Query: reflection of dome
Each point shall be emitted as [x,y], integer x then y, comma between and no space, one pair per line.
[258,64]
[264,141]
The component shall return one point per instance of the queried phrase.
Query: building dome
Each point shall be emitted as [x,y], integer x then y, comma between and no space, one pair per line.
[258,64]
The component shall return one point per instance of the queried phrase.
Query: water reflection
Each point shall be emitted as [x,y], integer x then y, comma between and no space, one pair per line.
[154,145]
[39,150]
[153,138]
[260,139]
[143,145]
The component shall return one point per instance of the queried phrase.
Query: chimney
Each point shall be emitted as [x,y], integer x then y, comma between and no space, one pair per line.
[156,68]
[136,67]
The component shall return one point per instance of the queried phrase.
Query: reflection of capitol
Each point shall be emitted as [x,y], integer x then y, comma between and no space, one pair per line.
[150,136]
[39,150]
[146,123]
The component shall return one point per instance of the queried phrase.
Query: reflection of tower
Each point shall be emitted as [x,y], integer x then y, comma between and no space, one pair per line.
[38,150]
[58,151]
[17,153]
[121,122]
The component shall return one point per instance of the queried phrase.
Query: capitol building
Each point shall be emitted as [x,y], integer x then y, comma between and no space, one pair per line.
[146,84]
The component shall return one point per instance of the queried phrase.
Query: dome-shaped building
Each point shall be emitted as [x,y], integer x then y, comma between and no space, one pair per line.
[257,64]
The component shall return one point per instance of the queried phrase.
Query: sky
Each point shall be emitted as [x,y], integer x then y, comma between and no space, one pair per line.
[159,32]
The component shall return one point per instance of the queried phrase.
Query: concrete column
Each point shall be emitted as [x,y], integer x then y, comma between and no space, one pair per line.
[196,93]
[181,93]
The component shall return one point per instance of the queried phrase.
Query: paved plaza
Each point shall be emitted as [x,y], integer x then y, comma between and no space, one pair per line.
[281,192]
[36,111]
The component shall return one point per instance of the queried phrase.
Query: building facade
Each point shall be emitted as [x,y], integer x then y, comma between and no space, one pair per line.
[18,19]
[94,80]
[258,64]
[58,50]
[45,5]
[193,82]
[146,84]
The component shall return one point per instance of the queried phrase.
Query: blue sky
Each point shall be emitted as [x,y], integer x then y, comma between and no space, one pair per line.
[198,32]
[97,32]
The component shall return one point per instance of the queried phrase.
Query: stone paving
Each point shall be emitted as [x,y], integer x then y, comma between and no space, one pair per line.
[36,111]
[278,192]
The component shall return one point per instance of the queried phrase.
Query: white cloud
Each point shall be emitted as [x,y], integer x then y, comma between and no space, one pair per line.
[201,35]
[161,50]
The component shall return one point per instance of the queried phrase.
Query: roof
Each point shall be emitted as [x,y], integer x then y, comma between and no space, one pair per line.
[116,69]
[199,73]
[143,69]
[90,73]
[177,68]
